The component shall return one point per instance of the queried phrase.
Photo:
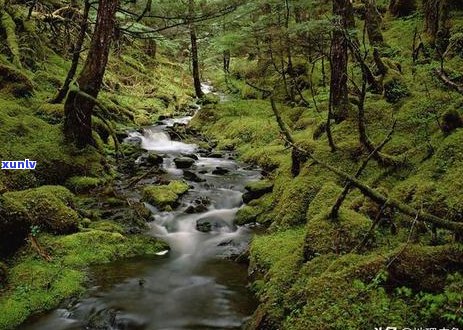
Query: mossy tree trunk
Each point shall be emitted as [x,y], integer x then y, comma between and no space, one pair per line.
[436,22]
[194,52]
[342,9]
[62,92]
[78,109]
[373,22]
[9,26]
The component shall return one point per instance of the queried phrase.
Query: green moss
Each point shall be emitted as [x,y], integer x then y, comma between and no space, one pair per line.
[36,285]
[49,207]
[178,187]
[165,196]
[294,197]
[256,211]
[80,184]
[105,225]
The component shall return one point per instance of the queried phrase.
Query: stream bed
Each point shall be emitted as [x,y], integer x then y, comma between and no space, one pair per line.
[194,285]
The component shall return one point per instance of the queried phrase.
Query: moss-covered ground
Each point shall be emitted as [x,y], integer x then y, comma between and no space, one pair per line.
[311,272]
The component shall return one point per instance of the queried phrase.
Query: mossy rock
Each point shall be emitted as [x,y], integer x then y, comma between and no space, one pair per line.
[108,226]
[257,210]
[451,121]
[82,184]
[257,189]
[395,87]
[247,214]
[15,82]
[166,196]
[48,207]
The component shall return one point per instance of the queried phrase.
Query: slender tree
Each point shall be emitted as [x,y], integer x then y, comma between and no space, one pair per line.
[78,107]
[342,9]
[62,92]
[194,50]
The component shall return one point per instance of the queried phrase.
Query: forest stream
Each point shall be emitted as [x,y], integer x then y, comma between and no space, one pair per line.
[194,285]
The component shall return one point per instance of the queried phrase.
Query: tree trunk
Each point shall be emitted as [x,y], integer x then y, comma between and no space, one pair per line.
[194,53]
[9,26]
[226,61]
[78,109]
[436,22]
[338,84]
[373,22]
[75,57]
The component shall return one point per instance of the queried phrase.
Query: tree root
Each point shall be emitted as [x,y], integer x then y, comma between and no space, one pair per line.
[105,113]
[442,75]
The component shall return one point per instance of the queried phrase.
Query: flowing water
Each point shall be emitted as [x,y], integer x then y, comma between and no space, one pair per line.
[193,285]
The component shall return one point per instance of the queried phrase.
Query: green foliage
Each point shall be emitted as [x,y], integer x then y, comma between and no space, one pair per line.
[81,184]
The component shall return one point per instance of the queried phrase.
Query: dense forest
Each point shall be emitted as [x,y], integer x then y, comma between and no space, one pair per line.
[213,164]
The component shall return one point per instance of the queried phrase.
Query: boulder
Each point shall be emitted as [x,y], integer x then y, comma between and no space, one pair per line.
[49,208]
[183,162]
[165,197]
[255,190]
[154,159]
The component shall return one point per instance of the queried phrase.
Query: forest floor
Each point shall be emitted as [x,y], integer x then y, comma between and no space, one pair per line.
[310,271]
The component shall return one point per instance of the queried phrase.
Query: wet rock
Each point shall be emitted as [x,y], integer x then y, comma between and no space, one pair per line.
[164,117]
[256,190]
[134,140]
[202,172]
[154,159]
[199,205]
[121,136]
[209,224]
[165,197]
[191,176]
[149,160]
[183,162]
[235,250]
[215,154]
[192,156]
[102,319]
[220,171]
